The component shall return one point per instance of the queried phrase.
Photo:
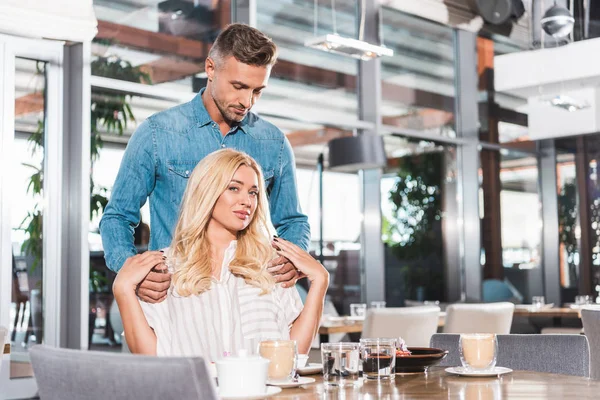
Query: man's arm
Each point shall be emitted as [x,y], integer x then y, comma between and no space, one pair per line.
[286,213]
[135,181]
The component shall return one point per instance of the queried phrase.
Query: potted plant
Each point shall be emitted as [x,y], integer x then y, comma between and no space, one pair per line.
[109,111]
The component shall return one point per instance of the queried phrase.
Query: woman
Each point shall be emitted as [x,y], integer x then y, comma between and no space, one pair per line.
[221,294]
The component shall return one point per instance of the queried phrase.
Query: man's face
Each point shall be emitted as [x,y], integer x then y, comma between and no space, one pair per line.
[235,86]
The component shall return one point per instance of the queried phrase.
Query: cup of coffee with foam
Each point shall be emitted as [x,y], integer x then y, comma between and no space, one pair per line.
[282,355]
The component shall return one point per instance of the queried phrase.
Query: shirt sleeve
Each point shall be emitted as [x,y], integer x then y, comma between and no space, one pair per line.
[134,183]
[290,302]
[286,214]
[157,316]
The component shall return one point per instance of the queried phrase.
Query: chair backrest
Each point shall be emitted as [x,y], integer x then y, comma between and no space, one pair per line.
[558,354]
[591,328]
[93,375]
[414,324]
[479,318]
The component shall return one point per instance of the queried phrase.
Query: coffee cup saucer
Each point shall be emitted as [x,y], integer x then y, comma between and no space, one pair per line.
[461,371]
[290,383]
[271,391]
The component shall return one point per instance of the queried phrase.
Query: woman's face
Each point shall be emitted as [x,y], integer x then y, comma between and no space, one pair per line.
[236,206]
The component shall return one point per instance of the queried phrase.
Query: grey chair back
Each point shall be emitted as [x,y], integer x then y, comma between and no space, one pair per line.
[591,327]
[557,354]
[92,375]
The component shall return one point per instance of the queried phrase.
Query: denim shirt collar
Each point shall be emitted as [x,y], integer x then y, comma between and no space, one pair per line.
[203,117]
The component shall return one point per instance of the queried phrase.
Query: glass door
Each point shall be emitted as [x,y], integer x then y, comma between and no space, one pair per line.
[31,81]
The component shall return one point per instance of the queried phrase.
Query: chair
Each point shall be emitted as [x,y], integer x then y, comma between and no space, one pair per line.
[415,325]
[557,354]
[591,327]
[479,318]
[90,375]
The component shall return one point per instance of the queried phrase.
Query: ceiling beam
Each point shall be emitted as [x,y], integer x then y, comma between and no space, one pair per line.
[423,119]
[28,104]
[153,42]
[315,136]
[168,69]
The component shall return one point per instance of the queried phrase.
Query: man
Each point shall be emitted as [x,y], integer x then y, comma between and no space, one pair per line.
[165,148]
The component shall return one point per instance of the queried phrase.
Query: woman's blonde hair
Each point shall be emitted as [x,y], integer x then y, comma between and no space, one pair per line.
[190,249]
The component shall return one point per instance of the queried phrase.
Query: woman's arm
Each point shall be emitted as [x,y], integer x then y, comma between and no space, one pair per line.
[305,327]
[141,339]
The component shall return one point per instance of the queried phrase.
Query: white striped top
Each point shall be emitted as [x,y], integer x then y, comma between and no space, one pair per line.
[224,318]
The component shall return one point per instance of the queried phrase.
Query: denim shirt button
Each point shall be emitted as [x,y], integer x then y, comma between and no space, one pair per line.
[187,173]
[223,145]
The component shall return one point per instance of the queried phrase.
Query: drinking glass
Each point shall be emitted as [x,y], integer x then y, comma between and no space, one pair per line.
[583,300]
[358,309]
[378,358]
[283,357]
[378,304]
[478,351]
[340,363]
[537,302]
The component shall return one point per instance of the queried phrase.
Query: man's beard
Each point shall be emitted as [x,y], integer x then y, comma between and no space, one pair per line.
[229,116]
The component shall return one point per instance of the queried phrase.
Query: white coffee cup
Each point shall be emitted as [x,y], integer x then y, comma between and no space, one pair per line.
[242,375]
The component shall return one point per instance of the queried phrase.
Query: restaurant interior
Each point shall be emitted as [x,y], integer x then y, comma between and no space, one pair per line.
[479,231]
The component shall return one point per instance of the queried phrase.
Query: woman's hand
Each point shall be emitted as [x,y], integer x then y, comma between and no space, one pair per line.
[304,262]
[135,270]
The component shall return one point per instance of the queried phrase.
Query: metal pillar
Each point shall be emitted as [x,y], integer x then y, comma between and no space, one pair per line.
[467,127]
[369,100]
[76,194]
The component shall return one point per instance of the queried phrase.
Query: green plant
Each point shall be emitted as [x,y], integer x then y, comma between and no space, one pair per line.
[413,230]
[567,224]
[110,111]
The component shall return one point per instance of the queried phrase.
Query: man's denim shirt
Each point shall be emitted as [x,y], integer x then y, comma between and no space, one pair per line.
[161,155]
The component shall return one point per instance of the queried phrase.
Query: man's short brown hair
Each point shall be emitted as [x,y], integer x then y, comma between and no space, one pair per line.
[248,45]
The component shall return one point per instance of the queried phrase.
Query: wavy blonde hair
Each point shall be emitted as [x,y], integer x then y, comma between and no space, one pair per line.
[190,248]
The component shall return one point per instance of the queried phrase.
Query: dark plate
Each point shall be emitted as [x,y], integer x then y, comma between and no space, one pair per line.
[421,358]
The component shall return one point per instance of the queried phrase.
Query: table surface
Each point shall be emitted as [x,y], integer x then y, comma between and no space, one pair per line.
[437,384]
[353,326]
[563,312]
[7,348]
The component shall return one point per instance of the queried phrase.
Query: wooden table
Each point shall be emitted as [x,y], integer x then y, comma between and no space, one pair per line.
[437,384]
[7,348]
[350,326]
[563,312]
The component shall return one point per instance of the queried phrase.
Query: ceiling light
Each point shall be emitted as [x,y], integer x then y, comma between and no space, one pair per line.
[353,153]
[334,43]
[348,47]
[557,22]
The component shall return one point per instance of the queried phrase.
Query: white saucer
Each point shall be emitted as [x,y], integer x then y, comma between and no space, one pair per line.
[271,391]
[310,369]
[290,384]
[497,371]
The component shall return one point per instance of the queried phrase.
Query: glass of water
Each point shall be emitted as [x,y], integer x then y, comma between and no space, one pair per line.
[358,309]
[378,304]
[582,300]
[340,363]
[378,358]
[537,302]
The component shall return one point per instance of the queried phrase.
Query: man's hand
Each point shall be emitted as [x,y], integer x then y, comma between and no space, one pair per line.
[284,272]
[154,288]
